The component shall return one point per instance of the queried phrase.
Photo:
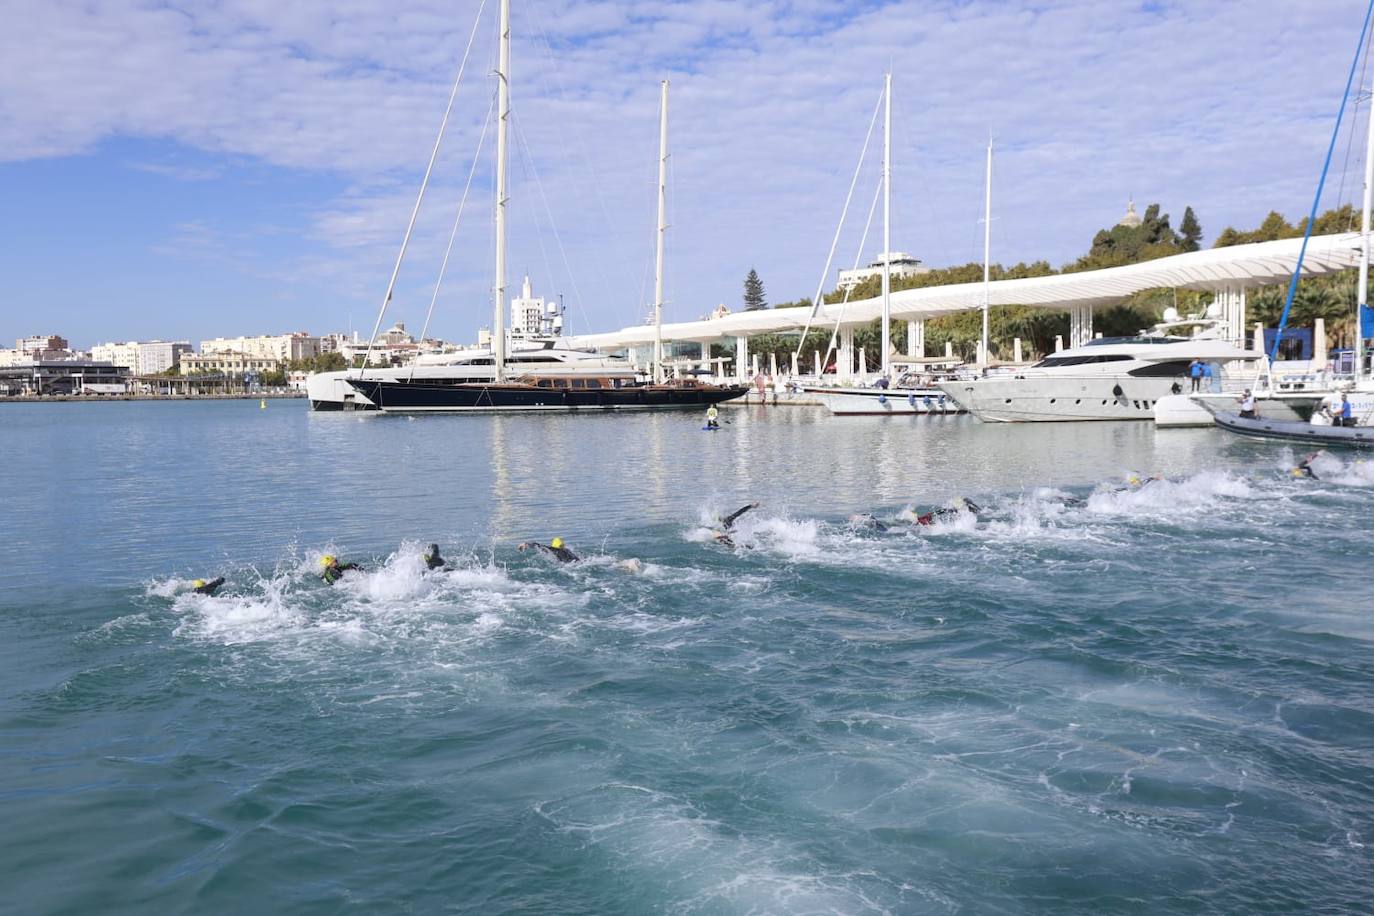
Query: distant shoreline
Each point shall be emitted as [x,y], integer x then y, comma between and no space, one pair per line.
[96,398]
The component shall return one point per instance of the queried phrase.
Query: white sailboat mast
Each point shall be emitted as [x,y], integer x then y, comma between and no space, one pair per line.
[1363,291]
[984,353]
[498,324]
[662,231]
[887,228]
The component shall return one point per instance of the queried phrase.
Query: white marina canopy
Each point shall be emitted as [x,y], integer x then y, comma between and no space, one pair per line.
[1236,268]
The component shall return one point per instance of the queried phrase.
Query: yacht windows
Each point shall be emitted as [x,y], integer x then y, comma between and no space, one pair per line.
[1167,369]
[1051,362]
[593,383]
[1108,341]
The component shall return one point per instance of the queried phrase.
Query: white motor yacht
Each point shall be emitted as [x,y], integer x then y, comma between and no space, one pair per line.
[1111,378]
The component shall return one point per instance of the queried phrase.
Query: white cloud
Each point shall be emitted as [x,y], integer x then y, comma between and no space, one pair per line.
[1224,106]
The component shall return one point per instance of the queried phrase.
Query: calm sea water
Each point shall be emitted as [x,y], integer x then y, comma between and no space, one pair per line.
[1157,700]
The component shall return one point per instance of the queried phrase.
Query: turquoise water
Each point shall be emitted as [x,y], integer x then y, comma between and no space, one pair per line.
[1157,700]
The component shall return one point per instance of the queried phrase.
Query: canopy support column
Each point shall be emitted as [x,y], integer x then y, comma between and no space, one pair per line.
[916,338]
[741,358]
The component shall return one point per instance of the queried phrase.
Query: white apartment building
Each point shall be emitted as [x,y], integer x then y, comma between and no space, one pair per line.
[392,347]
[533,317]
[900,263]
[142,358]
[39,343]
[281,347]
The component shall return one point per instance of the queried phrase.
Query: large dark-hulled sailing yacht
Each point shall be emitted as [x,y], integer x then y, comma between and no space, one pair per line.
[546,389]
[607,392]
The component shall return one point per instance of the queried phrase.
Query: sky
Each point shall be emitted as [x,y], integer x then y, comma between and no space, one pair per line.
[188,170]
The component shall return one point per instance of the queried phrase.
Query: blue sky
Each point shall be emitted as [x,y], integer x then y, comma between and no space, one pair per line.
[247,166]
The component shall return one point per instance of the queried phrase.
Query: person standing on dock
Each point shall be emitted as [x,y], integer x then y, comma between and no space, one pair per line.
[1195,373]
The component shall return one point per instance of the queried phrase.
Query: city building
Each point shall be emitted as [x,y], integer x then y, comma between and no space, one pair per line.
[41,342]
[143,358]
[62,377]
[227,362]
[900,264]
[392,347]
[1132,218]
[533,317]
[281,347]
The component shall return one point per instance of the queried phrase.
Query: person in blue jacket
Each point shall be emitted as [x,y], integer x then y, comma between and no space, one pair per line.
[1195,373]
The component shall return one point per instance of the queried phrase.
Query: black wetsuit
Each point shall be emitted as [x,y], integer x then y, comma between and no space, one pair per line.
[1305,470]
[865,520]
[209,588]
[935,515]
[432,558]
[729,521]
[561,554]
[334,573]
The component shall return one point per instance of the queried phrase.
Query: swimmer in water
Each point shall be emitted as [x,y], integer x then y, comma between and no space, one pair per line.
[333,570]
[555,547]
[202,587]
[729,521]
[727,524]
[947,513]
[1136,482]
[432,558]
[1304,468]
[634,566]
[867,520]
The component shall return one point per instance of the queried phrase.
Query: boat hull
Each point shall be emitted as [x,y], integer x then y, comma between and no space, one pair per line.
[880,401]
[403,397]
[1297,431]
[1054,399]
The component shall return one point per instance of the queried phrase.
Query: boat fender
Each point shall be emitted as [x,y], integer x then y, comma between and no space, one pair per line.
[882,399]
[1116,390]
[911,400]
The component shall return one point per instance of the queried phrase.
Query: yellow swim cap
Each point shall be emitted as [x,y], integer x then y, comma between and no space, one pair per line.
[328,560]
[199,583]
[1133,480]
[556,543]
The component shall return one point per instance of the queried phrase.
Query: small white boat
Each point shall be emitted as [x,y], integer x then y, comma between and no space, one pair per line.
[880,401]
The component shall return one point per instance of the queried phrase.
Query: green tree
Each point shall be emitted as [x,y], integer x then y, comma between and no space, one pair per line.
[1190,230]
[754,298]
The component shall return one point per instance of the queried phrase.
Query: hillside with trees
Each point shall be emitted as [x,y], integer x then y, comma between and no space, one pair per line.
[1331,298]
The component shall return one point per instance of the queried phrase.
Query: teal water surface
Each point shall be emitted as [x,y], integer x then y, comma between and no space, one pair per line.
[1091,698]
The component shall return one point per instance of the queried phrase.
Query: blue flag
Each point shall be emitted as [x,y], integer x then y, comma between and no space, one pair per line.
[1366,321]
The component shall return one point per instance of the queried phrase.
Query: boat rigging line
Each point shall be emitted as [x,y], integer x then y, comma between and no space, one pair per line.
[818,301]
[424,183]
[453,234]
[1321,183]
